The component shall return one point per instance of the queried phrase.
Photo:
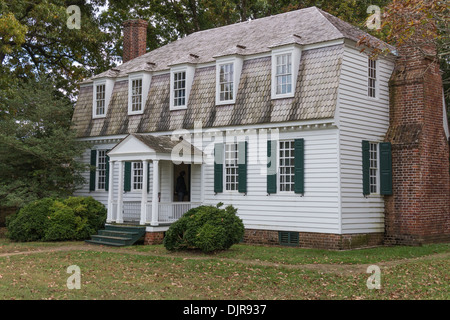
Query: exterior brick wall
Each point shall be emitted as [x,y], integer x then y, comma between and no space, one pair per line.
[134,39]
[419,209]
[154,238]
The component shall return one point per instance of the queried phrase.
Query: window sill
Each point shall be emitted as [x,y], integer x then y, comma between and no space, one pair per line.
[225,103]
[135,113]
[178,108]
[282,96]
[99,117]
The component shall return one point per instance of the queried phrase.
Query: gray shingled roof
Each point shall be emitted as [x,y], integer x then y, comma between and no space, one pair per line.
[315,93]
[315,98]
[310,25]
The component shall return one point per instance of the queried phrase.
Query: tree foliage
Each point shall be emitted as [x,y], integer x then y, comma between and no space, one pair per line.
[418,24]
[38,149]
[35,38]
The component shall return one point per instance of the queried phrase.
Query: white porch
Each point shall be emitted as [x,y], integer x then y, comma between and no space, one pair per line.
[168,212]
[155,207]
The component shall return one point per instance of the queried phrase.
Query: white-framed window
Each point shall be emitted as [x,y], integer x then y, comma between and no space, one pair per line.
[136,95]
[181,78]
[179,89]
[283,76]
[138,175]
[285,66]
[100,95]
[372,78]
[101,169]
[138,89]
[286,165]
[373,167]
[226,82]
[228,75]
[231,167]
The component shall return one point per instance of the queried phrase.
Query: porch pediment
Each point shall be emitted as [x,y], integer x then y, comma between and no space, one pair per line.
[136,147]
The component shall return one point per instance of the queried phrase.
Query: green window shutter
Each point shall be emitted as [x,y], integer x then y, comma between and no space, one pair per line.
[366,167]
[107,173]
[385,168]
[93,170]
[242,166]
[299,166]
[271,167]
[127,180]
[218,167]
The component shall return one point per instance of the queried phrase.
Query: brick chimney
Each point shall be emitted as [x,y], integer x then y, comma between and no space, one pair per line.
[134,39]
[419,209]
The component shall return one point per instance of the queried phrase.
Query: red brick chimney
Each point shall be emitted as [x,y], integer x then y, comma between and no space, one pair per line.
[134,39]
[419,209]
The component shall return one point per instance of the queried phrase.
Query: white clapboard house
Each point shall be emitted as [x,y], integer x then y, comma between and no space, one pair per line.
[282,117]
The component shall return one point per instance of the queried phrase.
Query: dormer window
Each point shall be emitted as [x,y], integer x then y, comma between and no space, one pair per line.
[228,74]
[179,89]
[102,91]
[285,65]
[100,100]
[181,78]
[138,88]
[136,95]
[226,90]
[284,74]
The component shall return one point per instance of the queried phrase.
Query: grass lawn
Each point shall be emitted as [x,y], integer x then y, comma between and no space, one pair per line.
[39,271]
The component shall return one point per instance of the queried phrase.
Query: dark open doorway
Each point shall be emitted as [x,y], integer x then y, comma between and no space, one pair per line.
[178,194]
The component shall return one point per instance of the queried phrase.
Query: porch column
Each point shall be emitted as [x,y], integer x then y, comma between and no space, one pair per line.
[144,192]
[119,216]
[155,200]
[110,217]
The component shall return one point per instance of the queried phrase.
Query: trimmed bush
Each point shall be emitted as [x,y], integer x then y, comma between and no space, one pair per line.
[207,228]
[61,223]
[30,222]
[74,218]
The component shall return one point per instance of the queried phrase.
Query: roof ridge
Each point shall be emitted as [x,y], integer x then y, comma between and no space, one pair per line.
[328,20]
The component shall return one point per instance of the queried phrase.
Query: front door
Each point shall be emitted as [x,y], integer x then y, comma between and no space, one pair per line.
[182,182]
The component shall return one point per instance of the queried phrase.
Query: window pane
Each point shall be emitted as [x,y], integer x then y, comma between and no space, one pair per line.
[231,166]
[179,86]
[286,161]
[284,74]
[100,100]
[226,82]
[101,169]
[372,78]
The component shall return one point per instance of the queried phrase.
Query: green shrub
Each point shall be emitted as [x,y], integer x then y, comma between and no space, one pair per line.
[74,218]
[30,222]
[89,210]
[61,223]
[207,228]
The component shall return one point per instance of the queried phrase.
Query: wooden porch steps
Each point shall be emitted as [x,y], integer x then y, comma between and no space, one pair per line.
[118,235]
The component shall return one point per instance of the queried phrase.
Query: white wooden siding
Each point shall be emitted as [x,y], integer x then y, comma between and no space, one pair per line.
[360,118]
[316,211]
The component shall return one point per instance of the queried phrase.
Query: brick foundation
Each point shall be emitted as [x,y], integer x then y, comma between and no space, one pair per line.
[306,239]
[317,240]
[154,238]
